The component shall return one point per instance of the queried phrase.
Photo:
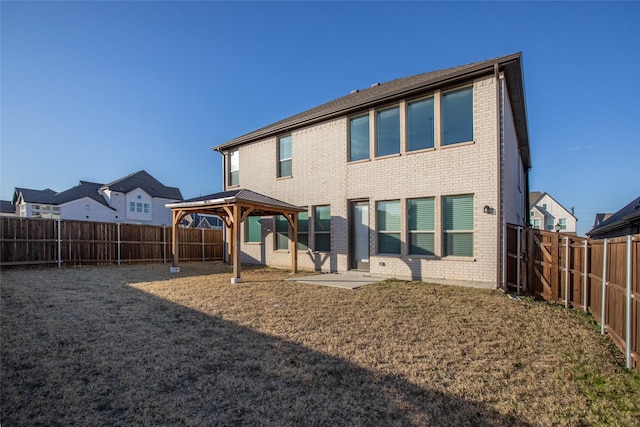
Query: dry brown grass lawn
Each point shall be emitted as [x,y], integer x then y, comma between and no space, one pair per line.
[137,345]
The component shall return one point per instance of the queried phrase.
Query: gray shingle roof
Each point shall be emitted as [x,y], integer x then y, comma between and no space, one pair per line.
[80,191]
[143,180]
[47,196]
[402,88]
[7,207]
[628,214]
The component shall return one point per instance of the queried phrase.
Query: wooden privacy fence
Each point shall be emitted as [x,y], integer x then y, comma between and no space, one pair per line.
[601,277]
[29,241]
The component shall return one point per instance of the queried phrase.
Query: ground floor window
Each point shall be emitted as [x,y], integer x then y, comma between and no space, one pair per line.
[322,228]
[303,231]
[421,225]
[457,224]
[388,226]
[252,230]
[282,232]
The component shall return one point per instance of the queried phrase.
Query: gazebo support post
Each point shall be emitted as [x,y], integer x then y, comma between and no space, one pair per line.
[174,242]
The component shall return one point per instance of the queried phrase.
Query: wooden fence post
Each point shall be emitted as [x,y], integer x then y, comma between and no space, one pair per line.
[566,271]
[164,244]
[59,244]
[118,241]
[628,305]
[585,272]
[202,244]
[604,289]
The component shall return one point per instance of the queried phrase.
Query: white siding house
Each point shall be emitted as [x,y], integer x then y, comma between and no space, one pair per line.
[137,198]
[416,178]
[547,214]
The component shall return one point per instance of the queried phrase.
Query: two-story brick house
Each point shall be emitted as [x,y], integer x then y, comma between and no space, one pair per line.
[415,178]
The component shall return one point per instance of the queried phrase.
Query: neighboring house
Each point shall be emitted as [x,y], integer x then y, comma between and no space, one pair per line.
[137,198]
[622,223]
[416,178]
[7,208]
[547,214]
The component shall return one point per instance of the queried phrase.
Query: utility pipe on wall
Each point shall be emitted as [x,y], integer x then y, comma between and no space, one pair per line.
[519,256]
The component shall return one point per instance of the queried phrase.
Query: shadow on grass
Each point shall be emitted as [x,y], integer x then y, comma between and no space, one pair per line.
[85,354]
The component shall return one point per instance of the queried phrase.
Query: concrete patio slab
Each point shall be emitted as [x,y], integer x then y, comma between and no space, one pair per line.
[349,280]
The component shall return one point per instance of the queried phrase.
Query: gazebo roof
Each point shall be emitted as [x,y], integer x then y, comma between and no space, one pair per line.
[263,205]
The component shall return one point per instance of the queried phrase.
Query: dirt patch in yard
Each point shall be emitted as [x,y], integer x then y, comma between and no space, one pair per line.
[139,345]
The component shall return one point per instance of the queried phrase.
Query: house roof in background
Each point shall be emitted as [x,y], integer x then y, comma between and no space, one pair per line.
[626,215]
[6,206]
[142,179]
[405,87]
[47,196]
[534,196]
[80,191]
[600,218]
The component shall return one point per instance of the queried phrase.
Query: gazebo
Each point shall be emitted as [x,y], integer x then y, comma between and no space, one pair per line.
[233,207]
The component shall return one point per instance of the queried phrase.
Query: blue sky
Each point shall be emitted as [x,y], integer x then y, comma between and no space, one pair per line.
[97,90]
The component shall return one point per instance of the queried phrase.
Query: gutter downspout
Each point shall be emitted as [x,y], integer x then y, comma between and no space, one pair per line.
[500,233]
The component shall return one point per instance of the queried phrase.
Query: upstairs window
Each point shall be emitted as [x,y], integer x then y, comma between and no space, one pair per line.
[457,116]
[388,225]
[388,132]
[322,228]
[234,168]
[421,224]
[563,223]
[457,216]
[132,206]
[535,223]
[359,138]
[284,156]
[420,125]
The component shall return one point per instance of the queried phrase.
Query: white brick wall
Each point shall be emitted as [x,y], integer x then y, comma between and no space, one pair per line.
[321,175]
